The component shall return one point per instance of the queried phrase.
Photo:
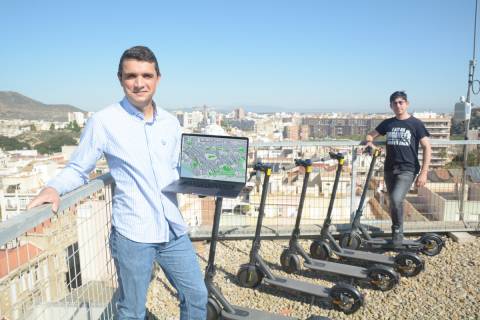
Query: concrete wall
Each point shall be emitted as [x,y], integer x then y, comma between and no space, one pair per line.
[448,210]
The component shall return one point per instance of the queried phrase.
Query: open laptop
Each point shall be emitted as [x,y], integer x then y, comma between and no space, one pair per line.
[211,165]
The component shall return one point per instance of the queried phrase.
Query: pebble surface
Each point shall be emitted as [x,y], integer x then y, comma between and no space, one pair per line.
[449,288]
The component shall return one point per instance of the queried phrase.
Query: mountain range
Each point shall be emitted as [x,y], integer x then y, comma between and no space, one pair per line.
[14,105]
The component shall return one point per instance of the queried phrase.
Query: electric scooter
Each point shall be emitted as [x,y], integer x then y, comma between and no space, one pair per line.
[342,297]
[381,277]
[218,307]
[325,247]
[429,244]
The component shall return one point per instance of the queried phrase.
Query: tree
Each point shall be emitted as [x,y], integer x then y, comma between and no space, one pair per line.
[55,144]
[32,127]
[9,144]
[458,128]
[457,161]
[73,126]
[226,124]
[52,127]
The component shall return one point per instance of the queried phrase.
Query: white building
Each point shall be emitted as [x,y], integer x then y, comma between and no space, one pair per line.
[79,117]
[439,128]
[189,120]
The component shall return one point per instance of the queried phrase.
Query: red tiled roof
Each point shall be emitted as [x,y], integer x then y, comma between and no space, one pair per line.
[11,259]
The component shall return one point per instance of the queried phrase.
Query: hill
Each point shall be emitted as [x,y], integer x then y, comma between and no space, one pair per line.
[13,105]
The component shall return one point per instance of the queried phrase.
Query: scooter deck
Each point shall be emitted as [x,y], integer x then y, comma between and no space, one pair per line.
[298,286]
[366,256]
[337,268]
[242,313]
[389,243]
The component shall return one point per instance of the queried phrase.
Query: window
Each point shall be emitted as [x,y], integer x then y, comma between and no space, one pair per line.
[23,282]
[45,270]
[30,280]
[35,273]
[13,292]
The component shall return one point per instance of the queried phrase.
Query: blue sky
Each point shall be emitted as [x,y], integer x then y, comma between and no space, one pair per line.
[316,56]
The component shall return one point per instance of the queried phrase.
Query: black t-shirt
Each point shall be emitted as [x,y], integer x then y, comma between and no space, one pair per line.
[403,137]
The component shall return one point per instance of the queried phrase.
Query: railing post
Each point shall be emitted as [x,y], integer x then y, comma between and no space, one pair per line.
[353,183]
[464,176]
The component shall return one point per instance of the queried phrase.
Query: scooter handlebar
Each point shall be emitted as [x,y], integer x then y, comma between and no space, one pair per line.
[262,166]
[298,163]
[336,156]
[308,162]
[289,166]
[372,151]
[303,162]
[368,150]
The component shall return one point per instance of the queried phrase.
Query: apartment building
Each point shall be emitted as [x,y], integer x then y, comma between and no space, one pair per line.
[291,132]
[439,127]
[322,127]
[39,268]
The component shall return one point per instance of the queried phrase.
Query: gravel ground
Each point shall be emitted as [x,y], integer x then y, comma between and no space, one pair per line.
[449,288]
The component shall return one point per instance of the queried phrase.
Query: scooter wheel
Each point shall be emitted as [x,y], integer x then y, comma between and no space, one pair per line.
[290,261]
[382,277]
[409,264]
[320,250]
[213,310]
[432,244]
[249,276]
[350,240]
[346,298]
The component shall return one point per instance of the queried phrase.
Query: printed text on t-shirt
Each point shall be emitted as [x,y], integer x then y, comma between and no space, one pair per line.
[399,137]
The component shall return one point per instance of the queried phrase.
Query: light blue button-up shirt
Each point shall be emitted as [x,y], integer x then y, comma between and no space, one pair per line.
[143,158]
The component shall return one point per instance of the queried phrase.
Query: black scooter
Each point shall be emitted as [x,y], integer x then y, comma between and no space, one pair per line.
[325,247]
[429,244]
[343,297]
[218,307]
[379,276]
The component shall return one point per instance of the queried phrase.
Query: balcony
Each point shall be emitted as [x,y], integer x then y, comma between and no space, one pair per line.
[58,266]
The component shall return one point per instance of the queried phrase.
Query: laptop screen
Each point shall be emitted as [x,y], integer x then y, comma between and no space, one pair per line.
[218,158]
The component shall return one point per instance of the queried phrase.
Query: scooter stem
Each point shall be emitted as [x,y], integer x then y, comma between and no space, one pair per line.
[341,161]
[267,169]
[307,164]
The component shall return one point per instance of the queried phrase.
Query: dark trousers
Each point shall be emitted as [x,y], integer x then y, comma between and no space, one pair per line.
[398,184]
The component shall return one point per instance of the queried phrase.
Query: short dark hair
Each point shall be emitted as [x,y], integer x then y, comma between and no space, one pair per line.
[398,94]
[139,53]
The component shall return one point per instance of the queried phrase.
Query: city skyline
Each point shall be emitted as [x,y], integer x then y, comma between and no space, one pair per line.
[311,57]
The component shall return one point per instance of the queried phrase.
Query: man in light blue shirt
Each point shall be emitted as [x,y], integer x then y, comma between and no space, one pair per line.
[141,143]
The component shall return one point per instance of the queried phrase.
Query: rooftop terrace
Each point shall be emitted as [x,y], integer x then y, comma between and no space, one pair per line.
[59,266]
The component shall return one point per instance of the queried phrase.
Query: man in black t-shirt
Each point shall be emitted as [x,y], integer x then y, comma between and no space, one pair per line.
[404,133]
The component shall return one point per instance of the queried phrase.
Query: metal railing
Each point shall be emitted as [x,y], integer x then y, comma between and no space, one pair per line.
[434,207]
[58,266]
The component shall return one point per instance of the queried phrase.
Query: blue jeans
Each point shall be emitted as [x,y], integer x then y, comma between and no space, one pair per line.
[398,184]
[134,264]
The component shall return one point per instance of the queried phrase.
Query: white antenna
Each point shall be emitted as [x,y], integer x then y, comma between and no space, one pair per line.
[473,62]
[471,80]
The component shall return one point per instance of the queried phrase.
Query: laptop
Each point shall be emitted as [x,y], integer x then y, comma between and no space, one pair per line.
[211,165]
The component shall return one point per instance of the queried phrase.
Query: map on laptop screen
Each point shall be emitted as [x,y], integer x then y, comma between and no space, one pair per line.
[214,158]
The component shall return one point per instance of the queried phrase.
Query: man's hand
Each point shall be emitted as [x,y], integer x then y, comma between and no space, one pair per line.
[369,140]
[369,147]
[47,195]
[369,144]
[421,179]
